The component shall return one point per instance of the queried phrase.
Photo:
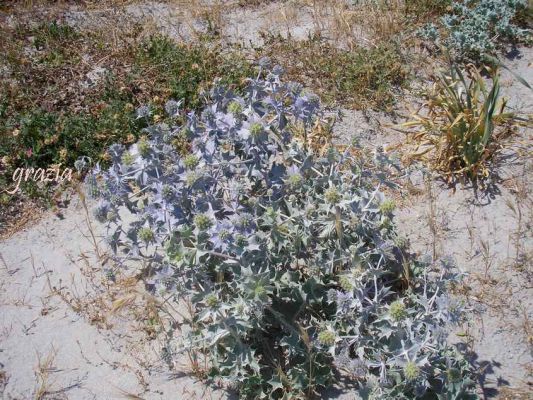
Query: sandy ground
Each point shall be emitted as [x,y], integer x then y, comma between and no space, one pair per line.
[58,334]
[231,22]
[184,21]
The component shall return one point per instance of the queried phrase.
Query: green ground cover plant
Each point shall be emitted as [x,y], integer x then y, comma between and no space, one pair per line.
[360,78]
[186,71]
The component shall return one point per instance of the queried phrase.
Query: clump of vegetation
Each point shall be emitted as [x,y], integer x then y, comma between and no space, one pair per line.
[359,78]
[465,123]
[50,115]
[287,259]
[185,71]
[475,29]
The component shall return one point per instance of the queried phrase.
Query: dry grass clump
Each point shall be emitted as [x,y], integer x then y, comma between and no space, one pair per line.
[45,366]
[369,22]
[463,123]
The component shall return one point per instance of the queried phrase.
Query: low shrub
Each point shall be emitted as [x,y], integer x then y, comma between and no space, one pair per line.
[290,262]
[49,114]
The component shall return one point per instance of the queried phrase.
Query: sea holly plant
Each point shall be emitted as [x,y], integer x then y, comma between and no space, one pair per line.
[474,30]
[290,261]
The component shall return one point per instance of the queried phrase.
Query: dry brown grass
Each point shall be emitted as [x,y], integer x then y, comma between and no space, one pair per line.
[45,367]
[4,378]
[369,22]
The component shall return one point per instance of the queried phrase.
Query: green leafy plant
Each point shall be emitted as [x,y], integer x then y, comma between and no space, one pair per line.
[463,123]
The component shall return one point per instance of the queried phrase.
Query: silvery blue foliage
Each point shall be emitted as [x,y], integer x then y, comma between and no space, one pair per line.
[474,29]
[82,164]
[142,112]
[290,260]
[172,108]
[430,32]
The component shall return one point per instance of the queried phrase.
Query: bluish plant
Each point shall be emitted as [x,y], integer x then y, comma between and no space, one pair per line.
[288,259]
[476,29]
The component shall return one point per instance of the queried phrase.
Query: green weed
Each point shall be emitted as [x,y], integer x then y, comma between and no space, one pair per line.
[50,34]
[183,71]
[360,78]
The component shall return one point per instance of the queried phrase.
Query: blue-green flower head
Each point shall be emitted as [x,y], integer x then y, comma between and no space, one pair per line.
[202,221]
[327,337]
[332,195]
[411,371]
[146,234]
